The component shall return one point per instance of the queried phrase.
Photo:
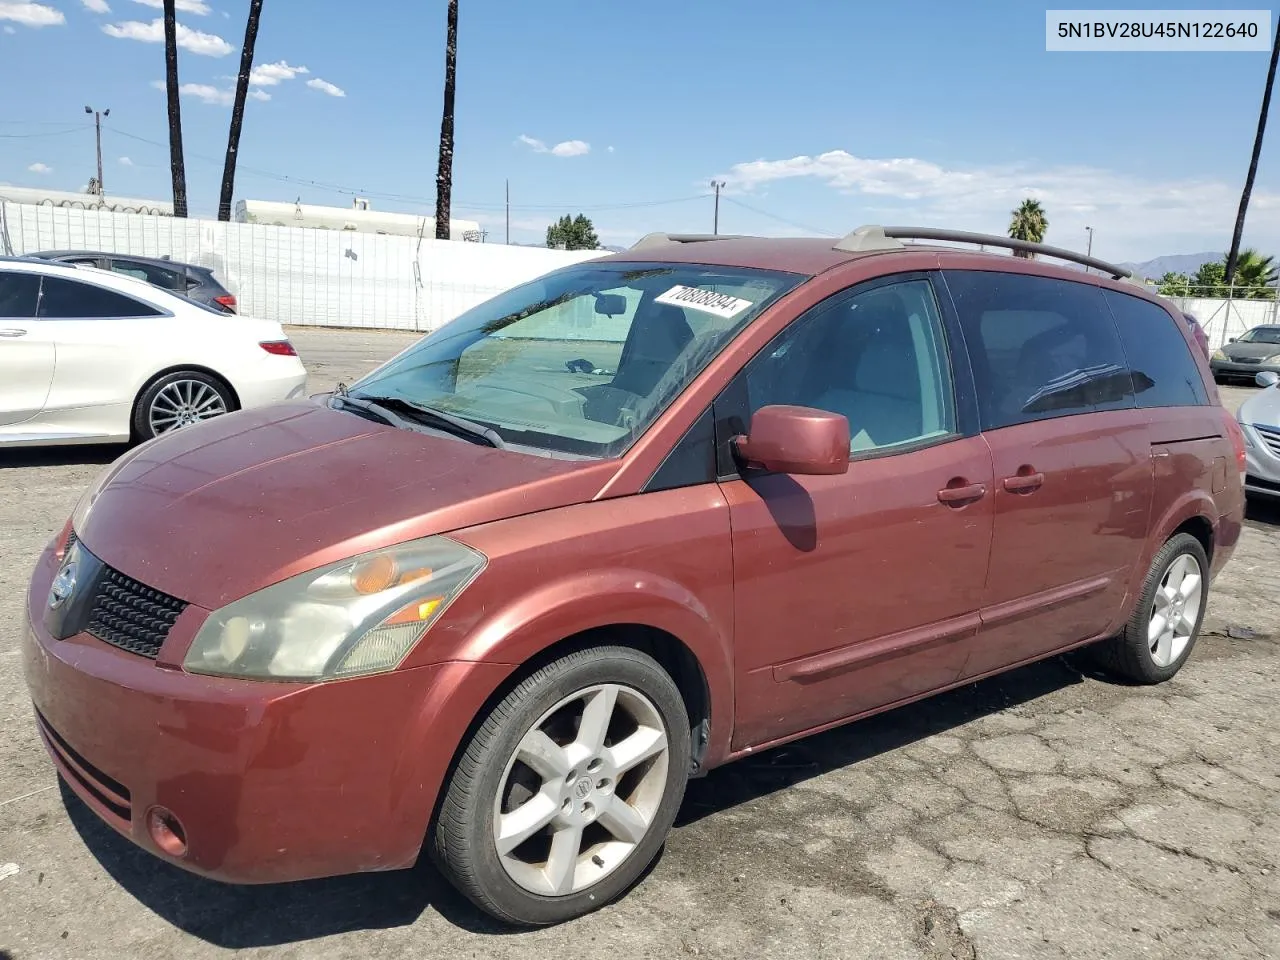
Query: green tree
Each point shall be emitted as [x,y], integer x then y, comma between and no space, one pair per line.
[1210,280]
[573,233]
[1255,276]
[1174,285]
[1029,223]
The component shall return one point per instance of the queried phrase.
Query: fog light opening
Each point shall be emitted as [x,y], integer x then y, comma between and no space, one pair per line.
[167,832]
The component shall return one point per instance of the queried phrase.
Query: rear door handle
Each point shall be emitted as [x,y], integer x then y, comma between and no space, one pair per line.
[1024,483]
[962,494]
[12,332]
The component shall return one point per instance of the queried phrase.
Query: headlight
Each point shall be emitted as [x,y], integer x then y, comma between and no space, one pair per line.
[355,617]
[1219,355]
[1274,358]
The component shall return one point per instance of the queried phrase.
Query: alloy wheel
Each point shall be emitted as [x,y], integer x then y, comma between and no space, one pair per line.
[1175,611]
[182,403]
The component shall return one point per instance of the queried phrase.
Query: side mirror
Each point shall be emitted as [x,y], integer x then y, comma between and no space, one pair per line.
[800,440]
[1267,378]
[1231,339]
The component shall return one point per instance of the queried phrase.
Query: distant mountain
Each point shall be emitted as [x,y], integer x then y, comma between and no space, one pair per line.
[1187,263]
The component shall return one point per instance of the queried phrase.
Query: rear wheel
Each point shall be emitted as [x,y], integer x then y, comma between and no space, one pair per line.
[1163,629]
[566,792]
[178,400]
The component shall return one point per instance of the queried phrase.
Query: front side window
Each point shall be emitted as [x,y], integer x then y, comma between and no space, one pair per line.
[62,299]
[583,360]
[19,293]
[1040,347]
[878,358]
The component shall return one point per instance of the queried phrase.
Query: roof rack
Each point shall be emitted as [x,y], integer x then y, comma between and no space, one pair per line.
[658,239]
[874,237]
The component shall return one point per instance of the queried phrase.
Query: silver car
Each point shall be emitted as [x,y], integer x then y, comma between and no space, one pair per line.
[1259,416]
[1255,350]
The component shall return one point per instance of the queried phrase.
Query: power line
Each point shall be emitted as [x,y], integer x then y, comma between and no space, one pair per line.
[78,128]
[774,216]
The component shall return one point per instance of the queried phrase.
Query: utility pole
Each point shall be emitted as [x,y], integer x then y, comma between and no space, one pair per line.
[1089,249]
[97,126]
[508,213]
[715,225]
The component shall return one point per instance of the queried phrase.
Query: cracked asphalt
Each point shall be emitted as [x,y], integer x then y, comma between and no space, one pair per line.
[1050,812]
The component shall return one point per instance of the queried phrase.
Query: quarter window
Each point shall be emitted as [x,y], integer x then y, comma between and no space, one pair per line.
[1164,372]
[877,358]
[63,299]
[1040,347]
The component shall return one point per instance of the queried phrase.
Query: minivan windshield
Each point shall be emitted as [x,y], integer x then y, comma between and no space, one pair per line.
[582,360]
[1261,335]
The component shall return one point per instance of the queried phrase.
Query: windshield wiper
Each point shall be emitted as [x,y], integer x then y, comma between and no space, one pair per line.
[450,423]
[387,416]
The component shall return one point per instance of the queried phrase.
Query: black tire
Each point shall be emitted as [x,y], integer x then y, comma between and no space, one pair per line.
[1129,654]
[143,428]
[464,845]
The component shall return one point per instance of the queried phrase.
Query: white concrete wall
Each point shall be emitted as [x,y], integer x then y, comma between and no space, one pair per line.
[1224,319]
[297,275]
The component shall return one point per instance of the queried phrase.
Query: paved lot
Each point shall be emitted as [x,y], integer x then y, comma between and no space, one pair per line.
[1047,813]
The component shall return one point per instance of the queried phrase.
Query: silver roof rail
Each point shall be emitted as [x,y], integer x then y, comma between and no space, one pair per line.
[874,237]
[660,239]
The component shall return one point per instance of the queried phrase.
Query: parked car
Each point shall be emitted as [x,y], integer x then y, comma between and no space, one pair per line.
[88,356]
[496,606]
[1259,418]
[1197,332]
[186,279]
[1244,357]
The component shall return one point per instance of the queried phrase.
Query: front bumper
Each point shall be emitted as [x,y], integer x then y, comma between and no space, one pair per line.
[1233,368]
[1262,461]
[269,781]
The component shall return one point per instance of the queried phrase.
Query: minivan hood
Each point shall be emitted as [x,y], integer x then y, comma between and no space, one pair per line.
[218,510]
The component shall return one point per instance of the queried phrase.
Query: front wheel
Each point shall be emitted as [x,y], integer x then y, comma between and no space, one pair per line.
[567,790]
[1163,629]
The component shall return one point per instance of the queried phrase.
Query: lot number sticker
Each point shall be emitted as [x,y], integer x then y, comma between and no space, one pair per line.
[708,301]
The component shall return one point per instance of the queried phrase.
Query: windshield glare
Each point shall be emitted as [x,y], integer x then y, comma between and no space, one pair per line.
[580,361]
[1262,335]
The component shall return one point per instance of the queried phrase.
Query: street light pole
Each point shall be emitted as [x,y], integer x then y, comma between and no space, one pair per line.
[97,126]
[1089,249]
[716,185]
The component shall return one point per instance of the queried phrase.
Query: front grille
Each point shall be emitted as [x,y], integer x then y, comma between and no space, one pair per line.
[106,790]
[130,615]
[1270,436]
[1261,484]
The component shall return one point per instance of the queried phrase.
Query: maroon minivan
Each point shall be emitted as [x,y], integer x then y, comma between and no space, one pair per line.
[614,528]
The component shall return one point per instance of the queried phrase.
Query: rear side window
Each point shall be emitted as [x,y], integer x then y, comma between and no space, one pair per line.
[18,295]
[1164,372]
[157,276]
[1040,347]
[70,300]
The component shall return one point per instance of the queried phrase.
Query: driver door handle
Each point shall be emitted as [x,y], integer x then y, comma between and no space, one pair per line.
[1024,482]
[963,494]
[13,332]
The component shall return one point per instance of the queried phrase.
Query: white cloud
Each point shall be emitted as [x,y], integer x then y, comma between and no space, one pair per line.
[610,149]
[125,162]
[31,14]
[198,7]
[204,44]
[324,86]
[1125,209]
[40,168]
[259,95]
[9,30]
[204,92]
[96,6]
[566,148]
[270,74]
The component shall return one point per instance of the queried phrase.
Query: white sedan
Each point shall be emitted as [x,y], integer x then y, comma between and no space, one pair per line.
[89,356]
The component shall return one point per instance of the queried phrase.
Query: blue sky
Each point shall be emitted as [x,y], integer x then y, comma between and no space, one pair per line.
[819,115]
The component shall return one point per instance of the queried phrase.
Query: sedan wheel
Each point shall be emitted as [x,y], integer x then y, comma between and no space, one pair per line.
[182,403]
[565,793]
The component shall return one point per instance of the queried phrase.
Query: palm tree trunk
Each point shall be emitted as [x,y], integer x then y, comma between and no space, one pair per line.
[237,110]
[444,174]
[176,165]
[1253,161]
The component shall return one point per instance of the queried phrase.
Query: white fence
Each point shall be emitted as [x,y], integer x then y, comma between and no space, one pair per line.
[296,275]
[1224,319]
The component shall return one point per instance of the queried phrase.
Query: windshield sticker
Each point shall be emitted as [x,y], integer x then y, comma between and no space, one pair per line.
[708,301]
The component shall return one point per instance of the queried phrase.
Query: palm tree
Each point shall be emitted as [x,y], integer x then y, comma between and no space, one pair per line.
[1253,161]
[1256,275]
[1029,223]
[237,109]
[176,165]
[444,173]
